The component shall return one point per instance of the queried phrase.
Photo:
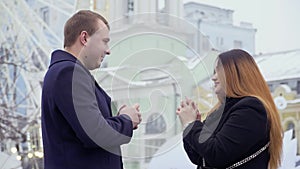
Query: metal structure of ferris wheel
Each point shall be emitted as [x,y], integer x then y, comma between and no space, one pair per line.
[26,40]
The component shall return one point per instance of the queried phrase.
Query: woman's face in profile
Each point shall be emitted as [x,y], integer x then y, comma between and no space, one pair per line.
[219,87]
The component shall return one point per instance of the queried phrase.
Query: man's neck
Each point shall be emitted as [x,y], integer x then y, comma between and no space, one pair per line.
[75,51]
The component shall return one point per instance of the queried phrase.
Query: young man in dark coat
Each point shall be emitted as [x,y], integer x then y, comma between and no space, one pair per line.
[79,131]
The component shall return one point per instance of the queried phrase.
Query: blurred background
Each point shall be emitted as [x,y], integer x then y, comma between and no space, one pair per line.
[162,51]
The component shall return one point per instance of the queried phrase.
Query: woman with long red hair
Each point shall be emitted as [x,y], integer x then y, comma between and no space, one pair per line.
[243,130]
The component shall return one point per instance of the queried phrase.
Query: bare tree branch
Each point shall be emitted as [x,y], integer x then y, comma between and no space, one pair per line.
[11,100]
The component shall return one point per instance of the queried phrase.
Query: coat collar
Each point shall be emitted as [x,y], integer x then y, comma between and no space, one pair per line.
[60,55]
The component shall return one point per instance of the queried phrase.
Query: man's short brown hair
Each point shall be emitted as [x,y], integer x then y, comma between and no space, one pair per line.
[84,20]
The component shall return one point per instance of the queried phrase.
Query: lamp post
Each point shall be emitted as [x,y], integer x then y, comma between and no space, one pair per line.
[198,35]
[176,95]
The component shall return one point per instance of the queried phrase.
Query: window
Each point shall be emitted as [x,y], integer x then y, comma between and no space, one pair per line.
[114,108]
[219,41]
[205,44]
[291,126]
[45,14]
[161,6]
[270,87]
[102,5]
[284,83]
[237,44]
[155,124]
[151,146]
[36,61]
[132,164]
[298,87]
[34,138]
[130,6]
[2,147]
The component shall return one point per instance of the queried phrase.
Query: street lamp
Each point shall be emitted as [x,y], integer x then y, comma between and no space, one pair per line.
[199,15]
[198,34]
[13,150]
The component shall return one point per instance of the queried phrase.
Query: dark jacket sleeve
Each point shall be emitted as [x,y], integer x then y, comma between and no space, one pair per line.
[190,151]
[76,100]
[245,127]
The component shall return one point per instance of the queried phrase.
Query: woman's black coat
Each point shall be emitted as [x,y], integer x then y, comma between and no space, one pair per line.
[235,131]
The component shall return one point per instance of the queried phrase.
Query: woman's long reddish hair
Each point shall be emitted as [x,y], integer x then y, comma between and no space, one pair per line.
[243,78]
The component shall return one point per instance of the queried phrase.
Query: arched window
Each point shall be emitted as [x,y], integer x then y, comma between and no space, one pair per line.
[291,125]
[130,6]
[161,6]
[155,124]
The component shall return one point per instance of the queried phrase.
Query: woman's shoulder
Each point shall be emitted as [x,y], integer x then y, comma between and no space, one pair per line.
[250,102]
[250,99]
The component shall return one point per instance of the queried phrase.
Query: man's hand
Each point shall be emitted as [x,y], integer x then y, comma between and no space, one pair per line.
[133,112]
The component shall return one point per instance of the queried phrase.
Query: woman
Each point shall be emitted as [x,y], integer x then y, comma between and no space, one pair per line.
[243,130]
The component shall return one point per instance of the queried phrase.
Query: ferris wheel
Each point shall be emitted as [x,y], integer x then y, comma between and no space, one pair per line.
[29,31]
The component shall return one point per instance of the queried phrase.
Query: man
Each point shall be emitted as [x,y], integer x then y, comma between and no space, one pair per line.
[78,129]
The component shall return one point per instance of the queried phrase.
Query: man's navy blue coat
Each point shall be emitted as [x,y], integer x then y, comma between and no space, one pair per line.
[235,131]
[75,113]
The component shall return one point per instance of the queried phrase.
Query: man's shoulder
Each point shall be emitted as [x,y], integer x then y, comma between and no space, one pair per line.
[60,57]
[60,69]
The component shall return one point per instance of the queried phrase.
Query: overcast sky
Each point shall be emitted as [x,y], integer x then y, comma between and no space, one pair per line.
[277,21]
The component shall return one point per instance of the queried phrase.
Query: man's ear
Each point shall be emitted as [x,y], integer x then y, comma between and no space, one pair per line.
[83,37]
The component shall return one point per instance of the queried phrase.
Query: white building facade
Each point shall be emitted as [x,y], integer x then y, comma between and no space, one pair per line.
[218,26]
[158,57]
